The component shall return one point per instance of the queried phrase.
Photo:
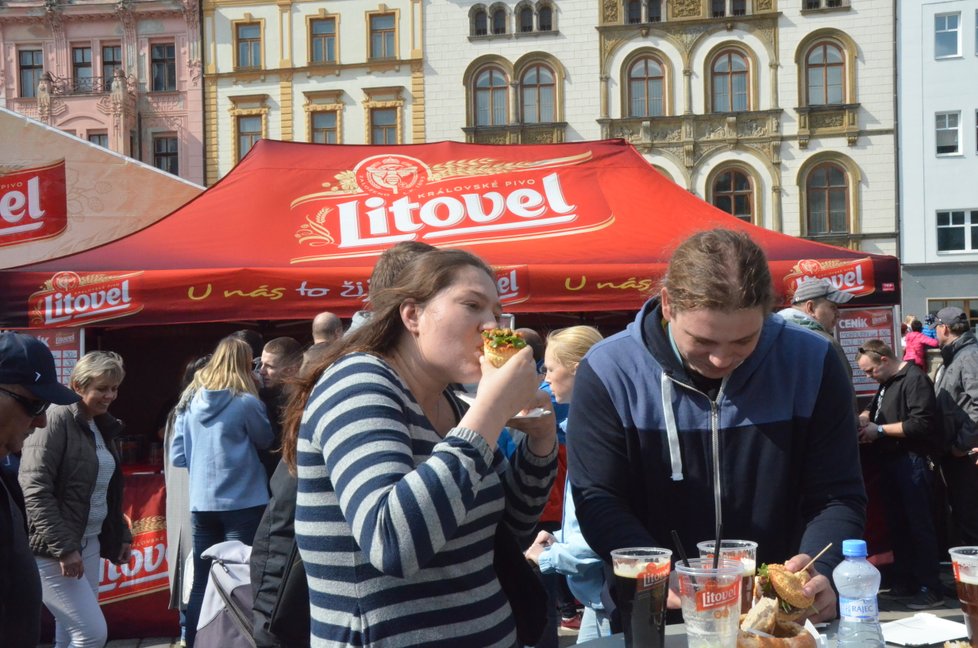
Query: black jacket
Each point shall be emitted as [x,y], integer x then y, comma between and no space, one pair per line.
[278,580]
[20,587]
[908,396]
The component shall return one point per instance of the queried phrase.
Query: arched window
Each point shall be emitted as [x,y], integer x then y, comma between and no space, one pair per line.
[633,12]
[499,21]
[655,11]
[491,98]
[730,82]
[526,19]
[545,17]
[827,197]
[480,23]
[646,85]
[732,192]
[537,105]
[825,68]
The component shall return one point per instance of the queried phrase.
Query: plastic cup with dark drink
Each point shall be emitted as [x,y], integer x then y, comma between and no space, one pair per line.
[746,552]
[711,601]
[642,585]
[964,561]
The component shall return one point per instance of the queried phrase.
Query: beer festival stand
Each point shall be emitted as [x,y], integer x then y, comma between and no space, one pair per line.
[576,232]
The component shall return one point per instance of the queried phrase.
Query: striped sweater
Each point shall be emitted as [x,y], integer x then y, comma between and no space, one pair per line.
[395,524]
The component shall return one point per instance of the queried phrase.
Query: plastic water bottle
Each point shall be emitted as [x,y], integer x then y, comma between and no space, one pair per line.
[858,582]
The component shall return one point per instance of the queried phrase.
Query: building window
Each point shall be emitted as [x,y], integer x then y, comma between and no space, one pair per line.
[491,98]
[165,154]
[825,4]
[164,64]
[729,74]
[81,69]
[111,61]
[100,139]
[545,17]
[249,132]
[738,7]
[480,23]
[382,36]
[322,36]
[718,8]
[732,192]
[825,70]
[957,231]
[827,197]
[526,19]
[646,82]
[633,12]
[947,41]
[655,11]
[499,21]
[247,38]
[948,133]
[31,69]
[537,105]
[383,125]
[968,304]
[324,129]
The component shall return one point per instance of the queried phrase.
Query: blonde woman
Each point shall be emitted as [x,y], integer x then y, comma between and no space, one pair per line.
[217,438]
[567,553]
[72,486]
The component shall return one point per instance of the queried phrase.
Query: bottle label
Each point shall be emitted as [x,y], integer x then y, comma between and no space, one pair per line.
[858,609]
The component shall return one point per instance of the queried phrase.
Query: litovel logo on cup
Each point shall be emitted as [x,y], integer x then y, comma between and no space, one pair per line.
[712,597]
[652,574]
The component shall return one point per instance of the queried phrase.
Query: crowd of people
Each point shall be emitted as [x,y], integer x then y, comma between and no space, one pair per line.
[383,474]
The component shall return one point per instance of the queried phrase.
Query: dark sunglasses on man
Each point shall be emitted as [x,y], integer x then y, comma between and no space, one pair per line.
[32,407]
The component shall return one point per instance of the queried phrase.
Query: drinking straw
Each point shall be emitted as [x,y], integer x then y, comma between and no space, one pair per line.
[716,546]
[679,548]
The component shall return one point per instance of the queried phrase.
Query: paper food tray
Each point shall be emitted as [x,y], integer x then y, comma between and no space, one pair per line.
[922,629]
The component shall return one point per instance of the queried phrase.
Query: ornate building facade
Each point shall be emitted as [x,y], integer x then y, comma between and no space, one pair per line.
[938,97]
[337,72]
[124,74]
[777,111]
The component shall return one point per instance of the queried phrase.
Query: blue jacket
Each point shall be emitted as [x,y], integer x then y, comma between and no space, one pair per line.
[217,438]
[774,456]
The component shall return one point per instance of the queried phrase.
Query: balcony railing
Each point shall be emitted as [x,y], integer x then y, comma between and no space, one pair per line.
[81,86]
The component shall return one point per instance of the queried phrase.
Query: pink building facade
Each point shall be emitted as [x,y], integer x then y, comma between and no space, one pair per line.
[125,75]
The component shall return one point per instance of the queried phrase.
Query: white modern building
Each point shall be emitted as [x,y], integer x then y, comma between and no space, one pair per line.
[938,110]
[337,71]
[779,111]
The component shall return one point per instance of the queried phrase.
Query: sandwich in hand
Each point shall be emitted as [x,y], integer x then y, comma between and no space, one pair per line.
[501,344]
[780,602]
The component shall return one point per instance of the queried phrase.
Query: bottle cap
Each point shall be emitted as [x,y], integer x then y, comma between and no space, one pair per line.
[854,548]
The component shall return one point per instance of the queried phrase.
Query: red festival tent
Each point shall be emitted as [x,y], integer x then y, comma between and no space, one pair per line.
[295,229]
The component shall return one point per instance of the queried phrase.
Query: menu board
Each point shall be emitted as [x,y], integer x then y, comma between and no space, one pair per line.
[66,347]
[857,325]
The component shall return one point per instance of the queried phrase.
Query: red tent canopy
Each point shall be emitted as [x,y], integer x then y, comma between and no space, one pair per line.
[295,229]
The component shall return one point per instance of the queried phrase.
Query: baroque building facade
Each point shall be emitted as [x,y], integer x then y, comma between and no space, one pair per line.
[938,104]
[777,111]
[124,75]
[337,72]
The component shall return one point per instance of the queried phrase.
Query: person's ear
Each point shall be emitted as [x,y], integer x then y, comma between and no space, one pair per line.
[411,315]
[666,305]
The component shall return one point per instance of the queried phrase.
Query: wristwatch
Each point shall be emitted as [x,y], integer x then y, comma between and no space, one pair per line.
[880,432]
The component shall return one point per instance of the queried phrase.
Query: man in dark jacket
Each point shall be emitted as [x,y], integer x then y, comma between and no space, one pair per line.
[957,399]
[28,384]
[903,425]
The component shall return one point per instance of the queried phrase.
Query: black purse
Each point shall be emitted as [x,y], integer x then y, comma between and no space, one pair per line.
[522,586]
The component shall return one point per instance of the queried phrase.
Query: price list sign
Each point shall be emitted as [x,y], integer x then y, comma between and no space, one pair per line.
[65,345]
[857,326]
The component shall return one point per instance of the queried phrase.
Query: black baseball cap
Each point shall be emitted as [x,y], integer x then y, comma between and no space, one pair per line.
[951,315]
[26,361]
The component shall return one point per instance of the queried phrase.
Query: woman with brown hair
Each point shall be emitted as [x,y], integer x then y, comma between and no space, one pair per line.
[400,490]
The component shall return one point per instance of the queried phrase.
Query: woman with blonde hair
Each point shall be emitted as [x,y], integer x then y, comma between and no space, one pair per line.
[401,490]
[72,481]
[217,437]
[566,552]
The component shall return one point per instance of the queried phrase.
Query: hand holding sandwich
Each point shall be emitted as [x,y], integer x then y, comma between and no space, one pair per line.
[824,605]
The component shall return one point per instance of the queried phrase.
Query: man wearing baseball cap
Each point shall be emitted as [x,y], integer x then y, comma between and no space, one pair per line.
[815,306]
[28,384]
[957,399]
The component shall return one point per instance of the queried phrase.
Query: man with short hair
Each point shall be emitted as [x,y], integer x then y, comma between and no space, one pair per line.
[903,426]
[28,384]
[326,327]
[815,306]
[957,398]
[280,360]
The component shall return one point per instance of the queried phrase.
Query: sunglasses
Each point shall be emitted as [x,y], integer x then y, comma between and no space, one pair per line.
[32,407]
